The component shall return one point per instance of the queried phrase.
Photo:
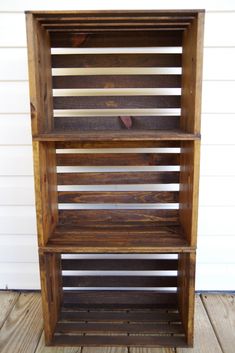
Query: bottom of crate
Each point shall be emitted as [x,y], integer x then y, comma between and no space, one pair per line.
[139,327]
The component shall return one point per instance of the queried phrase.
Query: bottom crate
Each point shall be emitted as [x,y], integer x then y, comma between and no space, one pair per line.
[131,300]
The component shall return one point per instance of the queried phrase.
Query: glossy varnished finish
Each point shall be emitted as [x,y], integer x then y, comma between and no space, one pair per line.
[82,109]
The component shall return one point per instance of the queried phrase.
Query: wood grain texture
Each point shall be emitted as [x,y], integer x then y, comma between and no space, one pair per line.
[23,328]
[205,339]
[117,159]
[116,39]
[221,311]
[113,178]
[7,302]
[116,60]
[41,348]
[117,81]
[116,102]
[118,197]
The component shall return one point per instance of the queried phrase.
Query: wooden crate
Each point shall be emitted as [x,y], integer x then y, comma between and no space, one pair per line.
[115,104]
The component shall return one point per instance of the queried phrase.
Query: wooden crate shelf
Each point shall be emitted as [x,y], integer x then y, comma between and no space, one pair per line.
[115,110]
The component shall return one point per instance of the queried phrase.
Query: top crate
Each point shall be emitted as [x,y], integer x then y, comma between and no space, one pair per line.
[115,75]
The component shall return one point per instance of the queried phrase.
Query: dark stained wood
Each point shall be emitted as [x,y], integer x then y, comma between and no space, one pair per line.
[186,293]
[116,60]
[113,178]
[113,123]
[124,217]
[121,299]
[118,196]
[119,264]
[137,238]
[138,341]
[74,327]
[73,315]
[117,81]
[127,143]
[119,281]
[116,102]
[116,39]
[116,159]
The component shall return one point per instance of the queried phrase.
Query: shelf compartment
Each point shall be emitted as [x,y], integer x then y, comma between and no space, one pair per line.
[116,308]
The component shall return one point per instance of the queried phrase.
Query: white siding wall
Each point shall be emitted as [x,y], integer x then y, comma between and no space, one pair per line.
[216,246]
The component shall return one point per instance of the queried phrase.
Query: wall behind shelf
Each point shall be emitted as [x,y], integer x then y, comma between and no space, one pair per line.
[216,245]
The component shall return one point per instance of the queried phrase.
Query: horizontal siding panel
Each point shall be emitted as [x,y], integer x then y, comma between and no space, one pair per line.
[217,191]
[19,276]
[218,64]
[14,97]
[15,129]
[12,36]
[15,248]
[17,220]
[218,129]
[218,97]
[216,221]
[13,64]
[220,29]
[218,160]
[16,160]
[222,249]
[16,191]
[215,277]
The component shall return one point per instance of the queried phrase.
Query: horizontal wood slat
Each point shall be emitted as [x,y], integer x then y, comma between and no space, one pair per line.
[116,60]
[74,327]
[70,142]
[138,341]
[121,299]
[118,197]
[112,123]
[116,39]
[112,217]
[117,81]
[119,264]
[116,159]
[116,102]
[119,316]
[117,178]
[119,281]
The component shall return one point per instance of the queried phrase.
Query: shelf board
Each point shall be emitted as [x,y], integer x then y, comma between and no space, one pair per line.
[141,237]
[122,135]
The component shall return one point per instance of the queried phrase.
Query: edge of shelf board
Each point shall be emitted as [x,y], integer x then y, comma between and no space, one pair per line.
[110,136]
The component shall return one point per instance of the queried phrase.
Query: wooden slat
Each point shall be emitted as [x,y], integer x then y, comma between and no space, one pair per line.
[23,327]
[116,102]
[74,327]
[115,39]
[7,301]
[117,159]
[118,196]
[119,281]
[112,123]
[205,338]
[70,315]
[119,264]
[116,60]
[70,142]
[113,178]
[120,299]
[124,217]
[73,315]
[117,81]
[138,341]
[221,312]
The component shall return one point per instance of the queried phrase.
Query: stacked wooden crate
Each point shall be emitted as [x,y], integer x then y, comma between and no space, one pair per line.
[115,103]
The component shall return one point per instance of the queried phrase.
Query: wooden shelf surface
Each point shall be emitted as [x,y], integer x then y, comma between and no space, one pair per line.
[139,237]
[123,135]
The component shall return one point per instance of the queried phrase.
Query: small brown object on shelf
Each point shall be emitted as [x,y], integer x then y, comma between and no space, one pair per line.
[102,82]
